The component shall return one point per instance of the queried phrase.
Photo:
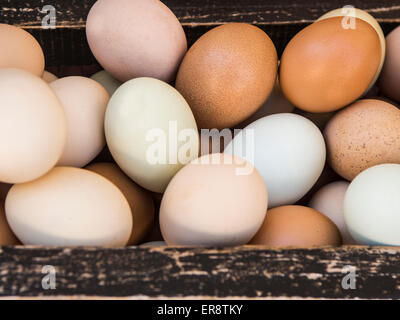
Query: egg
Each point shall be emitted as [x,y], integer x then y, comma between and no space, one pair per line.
[349,14]
[69,207]
[32,127]
[297,226]
[390,78]
[289,152]
[7,237]
[326,66]
[228,74]
[151,132]
[140,200]
[49,77]
[107,81]
[372,206]
[84,102]
[329,201]
[136,38]
[216,200]
[154,244]
[363,135]
[276,103]
[20,50]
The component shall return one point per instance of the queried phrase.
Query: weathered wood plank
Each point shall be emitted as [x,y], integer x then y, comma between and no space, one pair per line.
[253,272]
[73,13]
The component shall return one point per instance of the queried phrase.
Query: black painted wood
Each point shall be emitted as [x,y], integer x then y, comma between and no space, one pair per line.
[252,272]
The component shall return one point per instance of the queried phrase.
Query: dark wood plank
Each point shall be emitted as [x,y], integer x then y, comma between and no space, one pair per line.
[253,272]
[73,13]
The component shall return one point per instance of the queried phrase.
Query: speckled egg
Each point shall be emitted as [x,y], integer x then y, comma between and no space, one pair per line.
[363,135]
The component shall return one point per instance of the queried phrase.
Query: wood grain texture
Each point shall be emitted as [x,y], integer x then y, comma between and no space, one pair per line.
[73,13]
[252,272]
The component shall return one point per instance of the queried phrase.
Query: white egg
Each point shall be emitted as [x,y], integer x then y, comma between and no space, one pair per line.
[151,132]
[69,207]
[107,81]
[372,206]
[289,152]
[85,102]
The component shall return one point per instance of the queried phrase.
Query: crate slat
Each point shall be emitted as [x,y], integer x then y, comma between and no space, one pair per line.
[201,273]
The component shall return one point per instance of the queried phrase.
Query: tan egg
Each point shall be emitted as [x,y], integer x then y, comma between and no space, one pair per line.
[390,78]
[228,74]
[216,200]
[49,77]
[136,38]
[32,127]
[329,201]
[20,50]
[363,135]
[140,200]
[297,226]
[348,18]
[326,66]
[69,207]
[85,102]
[7,237]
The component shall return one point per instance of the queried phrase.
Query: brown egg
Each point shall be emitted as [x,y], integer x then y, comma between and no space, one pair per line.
[390,77]
[20,50]
[7,237]
[228,74]
[363,135]
[326,67]
[140,201]
[297,226]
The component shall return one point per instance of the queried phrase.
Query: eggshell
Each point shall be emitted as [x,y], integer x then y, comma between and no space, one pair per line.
[32,127]
[154,244]
[289,152]
[390,78]
[372,206]
[348,13]
[20,50]
[140,201]
[7,237]
[85,102]
[297,226]
[136,38]
[364,134]
[329,201]
[107,81]
[228,74]
[326,67]
[49,77]
[151,132]
[276,103]
[216,200]
[69,207]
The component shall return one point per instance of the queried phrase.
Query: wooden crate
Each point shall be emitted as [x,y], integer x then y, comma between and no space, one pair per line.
[242,272]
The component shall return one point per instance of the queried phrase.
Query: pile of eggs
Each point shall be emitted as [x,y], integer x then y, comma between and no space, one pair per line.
[305,151]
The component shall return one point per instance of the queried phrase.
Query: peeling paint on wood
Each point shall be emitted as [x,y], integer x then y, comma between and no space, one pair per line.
[201,273]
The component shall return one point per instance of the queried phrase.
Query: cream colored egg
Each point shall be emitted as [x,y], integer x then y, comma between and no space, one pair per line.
[85,102]
[107,81]
[329,201]
[151,132]
[216,200]
[20,50]
[49,77]
[363,15]
[32,127]
[69,207]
